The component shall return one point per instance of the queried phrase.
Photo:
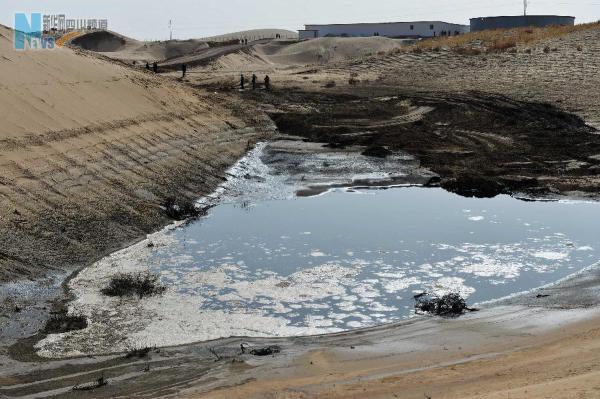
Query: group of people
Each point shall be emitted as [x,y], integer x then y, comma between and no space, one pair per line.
[155,68]
[254,82]
[267,80]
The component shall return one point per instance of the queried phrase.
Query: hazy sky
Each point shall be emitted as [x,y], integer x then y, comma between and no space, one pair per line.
[198,18]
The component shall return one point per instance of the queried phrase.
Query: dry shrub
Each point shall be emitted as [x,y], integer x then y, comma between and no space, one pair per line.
[449,305]
[137,284]
[498,40]
[467,50]
[501,46]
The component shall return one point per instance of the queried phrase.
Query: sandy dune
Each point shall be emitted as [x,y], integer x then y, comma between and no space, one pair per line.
[128,50]
[90,148]
[262,51]
[324,50]
[288,54]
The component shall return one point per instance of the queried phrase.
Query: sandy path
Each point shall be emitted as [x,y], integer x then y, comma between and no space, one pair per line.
[560,364]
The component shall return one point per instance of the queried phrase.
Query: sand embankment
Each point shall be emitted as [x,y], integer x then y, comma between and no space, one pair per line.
[119,47]
[281,54]
[89,149]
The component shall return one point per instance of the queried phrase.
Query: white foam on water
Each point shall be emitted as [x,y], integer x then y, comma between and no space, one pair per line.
[212,294]
[476,218]
[551,255]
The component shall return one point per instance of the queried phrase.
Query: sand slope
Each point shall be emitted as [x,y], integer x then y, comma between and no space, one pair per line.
[128,50]
[327,49]
[281,54]
[89,149]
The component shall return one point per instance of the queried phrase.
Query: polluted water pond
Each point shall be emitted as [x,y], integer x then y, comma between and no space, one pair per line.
[345,259]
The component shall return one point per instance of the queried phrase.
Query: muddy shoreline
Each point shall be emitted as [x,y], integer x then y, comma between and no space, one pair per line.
[205,371]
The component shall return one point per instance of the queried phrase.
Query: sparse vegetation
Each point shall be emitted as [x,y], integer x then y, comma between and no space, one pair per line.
[494,41]
[501,46]
[137,284]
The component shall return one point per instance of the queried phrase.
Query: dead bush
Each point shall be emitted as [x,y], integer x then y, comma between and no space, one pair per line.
[180,209]
[496,40]
[135,284]
[449,305]
[467,50]
[353,81]
[502,45]
[139,353]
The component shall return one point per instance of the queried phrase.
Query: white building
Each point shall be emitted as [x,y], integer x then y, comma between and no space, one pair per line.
[388,29]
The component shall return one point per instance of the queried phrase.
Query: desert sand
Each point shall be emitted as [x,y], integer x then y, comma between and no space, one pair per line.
[128,50]
[90,148]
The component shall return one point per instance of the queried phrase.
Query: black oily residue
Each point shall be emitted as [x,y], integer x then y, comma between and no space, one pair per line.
[266,351]
[481,145]
[62,323]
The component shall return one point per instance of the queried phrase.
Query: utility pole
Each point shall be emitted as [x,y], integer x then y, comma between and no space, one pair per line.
[171,28]
[525,7]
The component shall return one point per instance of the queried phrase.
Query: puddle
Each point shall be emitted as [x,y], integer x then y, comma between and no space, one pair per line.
[266,263]
[24,306]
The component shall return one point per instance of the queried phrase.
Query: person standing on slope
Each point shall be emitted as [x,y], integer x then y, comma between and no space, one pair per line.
[254,81]
[183,70]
